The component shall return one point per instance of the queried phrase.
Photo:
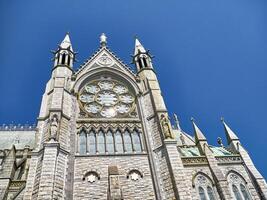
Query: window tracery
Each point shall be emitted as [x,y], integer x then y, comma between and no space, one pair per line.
[237,186]
[107,98]
[204,187]
[110,142]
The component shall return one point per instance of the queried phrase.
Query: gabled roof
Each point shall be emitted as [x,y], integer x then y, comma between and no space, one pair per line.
[110,53]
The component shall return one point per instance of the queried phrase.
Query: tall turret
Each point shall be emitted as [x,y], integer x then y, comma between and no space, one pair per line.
[64,55]
[141,58]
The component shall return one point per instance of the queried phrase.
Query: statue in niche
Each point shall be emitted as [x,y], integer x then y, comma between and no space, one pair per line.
[53,128]
[166,127]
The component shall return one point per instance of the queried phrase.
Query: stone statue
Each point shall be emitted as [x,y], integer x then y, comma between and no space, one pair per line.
[166,127]
[182,139]
[53,128]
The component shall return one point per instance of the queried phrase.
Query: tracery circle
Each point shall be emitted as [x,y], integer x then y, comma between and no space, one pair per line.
[106,98]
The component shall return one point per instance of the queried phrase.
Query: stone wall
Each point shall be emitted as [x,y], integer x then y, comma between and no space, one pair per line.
[139,189]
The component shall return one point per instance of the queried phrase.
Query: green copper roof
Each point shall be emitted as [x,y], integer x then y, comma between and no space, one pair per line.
[190,151]
[220,151]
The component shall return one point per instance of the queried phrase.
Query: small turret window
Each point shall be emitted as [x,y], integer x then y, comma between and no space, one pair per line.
[145,62]
[63,58]
[140,63]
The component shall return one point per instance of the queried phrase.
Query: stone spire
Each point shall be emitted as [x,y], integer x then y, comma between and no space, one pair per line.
[66,43]
[141,58]
[230,135]
[139,48]
[103,40]
[199,136]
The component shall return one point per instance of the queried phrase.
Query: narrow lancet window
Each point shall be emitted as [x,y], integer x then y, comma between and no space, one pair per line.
[100,142]
[136,141]
[63,58]
[244,192]
[210,193]
[127,142]
[202,194]
[110,142]
[236,192]
[82,142]
[118,142]
[91,142]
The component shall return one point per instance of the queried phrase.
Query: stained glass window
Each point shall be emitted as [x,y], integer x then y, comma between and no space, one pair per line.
[118,142]
[82,143]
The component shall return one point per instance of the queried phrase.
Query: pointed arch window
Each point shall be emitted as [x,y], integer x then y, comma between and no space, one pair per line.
[127,142]
[118,142]
[100,142]
[202,194]
[145,61]
[110,142]
[140,63]
[63,58]
[68,60]
[204,187]
[239,189]
[136,141]
[244,192]
[82,142]
[92,142]
[236,192]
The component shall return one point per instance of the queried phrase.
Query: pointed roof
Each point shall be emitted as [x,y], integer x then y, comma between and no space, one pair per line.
[138,47]
[230,135]
[66,43]
[199,136]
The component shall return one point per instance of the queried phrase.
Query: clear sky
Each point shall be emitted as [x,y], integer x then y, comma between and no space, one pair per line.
[210,57]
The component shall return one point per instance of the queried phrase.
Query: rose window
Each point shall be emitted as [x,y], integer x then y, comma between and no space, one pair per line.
[107,98]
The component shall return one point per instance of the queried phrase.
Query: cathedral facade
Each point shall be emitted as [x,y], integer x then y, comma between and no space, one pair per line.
[104,132]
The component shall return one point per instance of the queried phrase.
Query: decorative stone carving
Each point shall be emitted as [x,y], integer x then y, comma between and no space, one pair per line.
[105,60]
[91,178]
[166,127]
[54,128]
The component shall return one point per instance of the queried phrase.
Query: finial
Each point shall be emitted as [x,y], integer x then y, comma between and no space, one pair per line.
[177,123]
[103,40]
[222,119]
[192,119]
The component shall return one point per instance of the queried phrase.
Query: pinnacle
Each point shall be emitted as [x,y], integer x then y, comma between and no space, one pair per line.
[66,43]
[138,47]
[229,133]
[199,136]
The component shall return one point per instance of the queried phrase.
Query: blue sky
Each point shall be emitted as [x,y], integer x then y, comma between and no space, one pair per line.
[210,57]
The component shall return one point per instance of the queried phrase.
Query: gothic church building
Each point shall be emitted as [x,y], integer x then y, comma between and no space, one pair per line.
[104,133]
